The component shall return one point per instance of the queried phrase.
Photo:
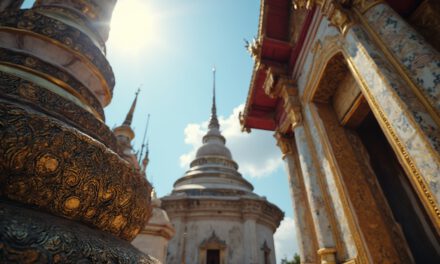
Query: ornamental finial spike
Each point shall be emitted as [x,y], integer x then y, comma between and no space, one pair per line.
[129,117]
[213,123]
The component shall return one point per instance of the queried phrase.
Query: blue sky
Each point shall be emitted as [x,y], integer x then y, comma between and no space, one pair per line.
[169,47]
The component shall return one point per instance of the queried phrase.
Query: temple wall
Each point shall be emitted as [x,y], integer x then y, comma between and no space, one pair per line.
[362,92]
[265,234]
[199,230]
[406,120]
[232,232]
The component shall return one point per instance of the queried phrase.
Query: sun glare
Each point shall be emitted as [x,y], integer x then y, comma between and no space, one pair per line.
[131,26]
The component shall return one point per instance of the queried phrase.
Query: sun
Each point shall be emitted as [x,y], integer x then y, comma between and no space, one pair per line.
[131,26]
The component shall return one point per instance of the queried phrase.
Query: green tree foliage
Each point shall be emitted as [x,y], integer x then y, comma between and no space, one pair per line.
[296,260]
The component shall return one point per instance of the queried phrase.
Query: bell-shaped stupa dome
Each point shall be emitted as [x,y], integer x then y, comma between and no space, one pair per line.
[213,171]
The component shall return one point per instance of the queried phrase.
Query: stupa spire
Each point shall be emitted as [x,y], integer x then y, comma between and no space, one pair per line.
[213,123]
[129,117]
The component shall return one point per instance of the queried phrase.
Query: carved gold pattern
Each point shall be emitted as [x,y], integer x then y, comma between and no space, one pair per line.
[332,47]
[374,224]
[29,236]
[333,75]
[81,22]
[328,49]
[46,163]
[53,74]
[26,92]
[64,36]
[417,180]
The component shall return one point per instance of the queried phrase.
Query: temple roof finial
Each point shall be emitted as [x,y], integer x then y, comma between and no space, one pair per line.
[129,117]
[213,123]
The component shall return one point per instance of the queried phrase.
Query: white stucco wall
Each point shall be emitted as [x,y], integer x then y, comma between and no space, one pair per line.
[154,246]
[230,231]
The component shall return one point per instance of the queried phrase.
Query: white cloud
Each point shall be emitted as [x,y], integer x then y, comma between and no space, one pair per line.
[255,153]
[285,240]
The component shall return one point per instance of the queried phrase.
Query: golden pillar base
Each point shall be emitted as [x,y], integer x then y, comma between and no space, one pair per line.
[327,255]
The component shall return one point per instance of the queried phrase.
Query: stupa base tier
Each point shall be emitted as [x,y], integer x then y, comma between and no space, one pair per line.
[31,236]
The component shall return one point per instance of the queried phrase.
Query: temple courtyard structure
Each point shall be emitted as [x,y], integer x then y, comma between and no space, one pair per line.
[351,90]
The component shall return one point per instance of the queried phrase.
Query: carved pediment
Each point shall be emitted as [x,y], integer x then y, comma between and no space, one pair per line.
[213,242]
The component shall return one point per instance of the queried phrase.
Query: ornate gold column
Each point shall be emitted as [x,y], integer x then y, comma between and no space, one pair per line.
[310,172]
[303,219]
[66,195]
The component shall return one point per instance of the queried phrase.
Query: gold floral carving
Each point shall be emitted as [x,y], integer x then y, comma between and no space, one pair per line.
[334,74]
[416,178]
[53,74]
[356,178]
[323,51]
[33,95]
[48,164]
[64,36]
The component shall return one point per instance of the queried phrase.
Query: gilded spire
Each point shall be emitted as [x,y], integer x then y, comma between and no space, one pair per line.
[213,123]
[129,117]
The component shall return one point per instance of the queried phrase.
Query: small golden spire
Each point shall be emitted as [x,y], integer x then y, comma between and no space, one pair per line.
[129,117]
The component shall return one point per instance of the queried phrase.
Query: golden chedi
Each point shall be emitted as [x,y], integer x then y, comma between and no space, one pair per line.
[66,195]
